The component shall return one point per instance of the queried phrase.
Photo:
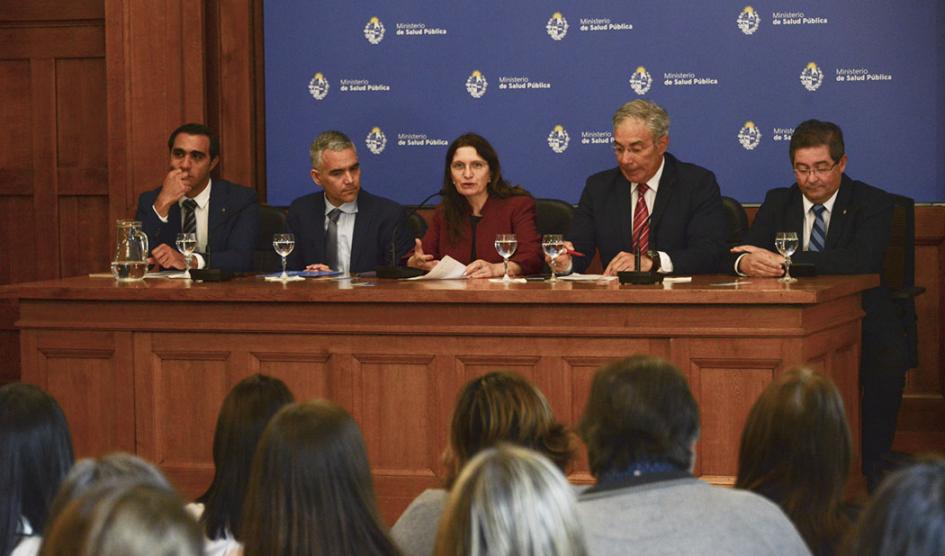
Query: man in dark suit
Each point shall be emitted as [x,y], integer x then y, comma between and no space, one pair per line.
[670,210]
[343,227]
[224,215]
[843,227]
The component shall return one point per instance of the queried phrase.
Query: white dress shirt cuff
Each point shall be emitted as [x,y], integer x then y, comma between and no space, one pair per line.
[666,264]
[738,260]
[161,218]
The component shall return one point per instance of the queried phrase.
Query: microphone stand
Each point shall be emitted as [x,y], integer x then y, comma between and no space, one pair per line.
[394,270]
[638,276]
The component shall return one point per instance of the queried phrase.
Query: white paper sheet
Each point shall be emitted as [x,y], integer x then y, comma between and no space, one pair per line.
[447,269]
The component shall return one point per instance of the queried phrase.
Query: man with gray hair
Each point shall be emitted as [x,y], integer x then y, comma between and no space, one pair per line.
[342,227]
[669,210]
[640,427]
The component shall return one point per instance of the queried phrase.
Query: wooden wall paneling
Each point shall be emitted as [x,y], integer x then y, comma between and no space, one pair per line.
[45,183]
[162,59]
[727,373]
[91,383]
[51,10]
[16,148]
[231,86]
[921,418]
[9,341]
[180,383]
[397,414]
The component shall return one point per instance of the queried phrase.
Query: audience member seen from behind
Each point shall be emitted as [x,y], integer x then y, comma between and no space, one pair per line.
[35,454]
[124,518]
[796,451]
[477,205]
[640,426]
[87,474]
[906,515]
[494,408]
[244,415]
[511,501]
[310,491]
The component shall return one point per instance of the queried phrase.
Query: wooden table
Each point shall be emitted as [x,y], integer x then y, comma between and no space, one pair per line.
[144,367]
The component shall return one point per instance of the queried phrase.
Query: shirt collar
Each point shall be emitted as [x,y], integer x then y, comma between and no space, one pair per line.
[203,198]
[347,208]
[654,182]
[828,204]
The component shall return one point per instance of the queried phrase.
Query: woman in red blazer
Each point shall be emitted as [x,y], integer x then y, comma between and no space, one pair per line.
[477,205]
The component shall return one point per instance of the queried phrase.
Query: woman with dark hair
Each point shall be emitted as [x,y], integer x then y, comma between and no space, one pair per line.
[795,451]
[906,515]
[311,491]
[477,205]
[35,454]
[244,415]
[491,409]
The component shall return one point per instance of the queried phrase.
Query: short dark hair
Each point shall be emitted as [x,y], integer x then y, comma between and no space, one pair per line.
[243,417]
[907,513]
[311,490]
[196,129]
[35,455]
[504,407]
[815,133]
[639,408]
[796,450]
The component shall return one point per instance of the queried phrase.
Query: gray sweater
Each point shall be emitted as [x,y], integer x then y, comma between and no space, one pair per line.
[685,516]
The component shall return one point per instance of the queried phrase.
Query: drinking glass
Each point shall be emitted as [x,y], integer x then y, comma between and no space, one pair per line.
[552,245]
[786,244]
[283,244]
[505,245]
[186,244]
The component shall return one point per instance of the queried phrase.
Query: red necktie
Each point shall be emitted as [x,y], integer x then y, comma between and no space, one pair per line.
[641,221]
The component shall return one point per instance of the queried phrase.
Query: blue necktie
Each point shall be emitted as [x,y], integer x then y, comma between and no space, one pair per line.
[818,233]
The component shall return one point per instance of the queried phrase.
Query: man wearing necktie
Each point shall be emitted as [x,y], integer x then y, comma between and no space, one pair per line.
[845,226]
[669,210]
[343,227]
[224,215]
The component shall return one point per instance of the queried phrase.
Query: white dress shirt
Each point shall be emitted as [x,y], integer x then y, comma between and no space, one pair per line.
[809,218]
[666,264]
[202,213]
[349,212]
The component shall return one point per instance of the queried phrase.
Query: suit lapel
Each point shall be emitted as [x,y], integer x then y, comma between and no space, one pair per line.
[794,217]
[663,195]
[217,215]
[621,209]
[318,228]
[358,252]
[841,213]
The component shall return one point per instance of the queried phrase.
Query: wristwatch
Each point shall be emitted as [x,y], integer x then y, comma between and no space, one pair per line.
[655,258]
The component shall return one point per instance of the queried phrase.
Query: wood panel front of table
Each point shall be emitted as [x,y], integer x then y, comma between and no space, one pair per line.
[144,367]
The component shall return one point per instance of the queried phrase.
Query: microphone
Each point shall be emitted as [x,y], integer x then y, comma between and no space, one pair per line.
[394,270]
[638,276]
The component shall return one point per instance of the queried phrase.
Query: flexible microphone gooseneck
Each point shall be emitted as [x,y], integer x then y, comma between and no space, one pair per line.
[395,270]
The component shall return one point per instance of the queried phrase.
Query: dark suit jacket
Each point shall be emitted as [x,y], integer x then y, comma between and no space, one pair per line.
[378,222]
[232,225]
[687,223]
[512,215]
[856,242]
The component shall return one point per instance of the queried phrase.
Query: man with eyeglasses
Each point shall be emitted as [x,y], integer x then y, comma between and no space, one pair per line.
[843,226]
[671,211]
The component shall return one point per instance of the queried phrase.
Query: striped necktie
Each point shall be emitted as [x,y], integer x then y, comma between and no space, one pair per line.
[190,217]
[818,233]
[641,221]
